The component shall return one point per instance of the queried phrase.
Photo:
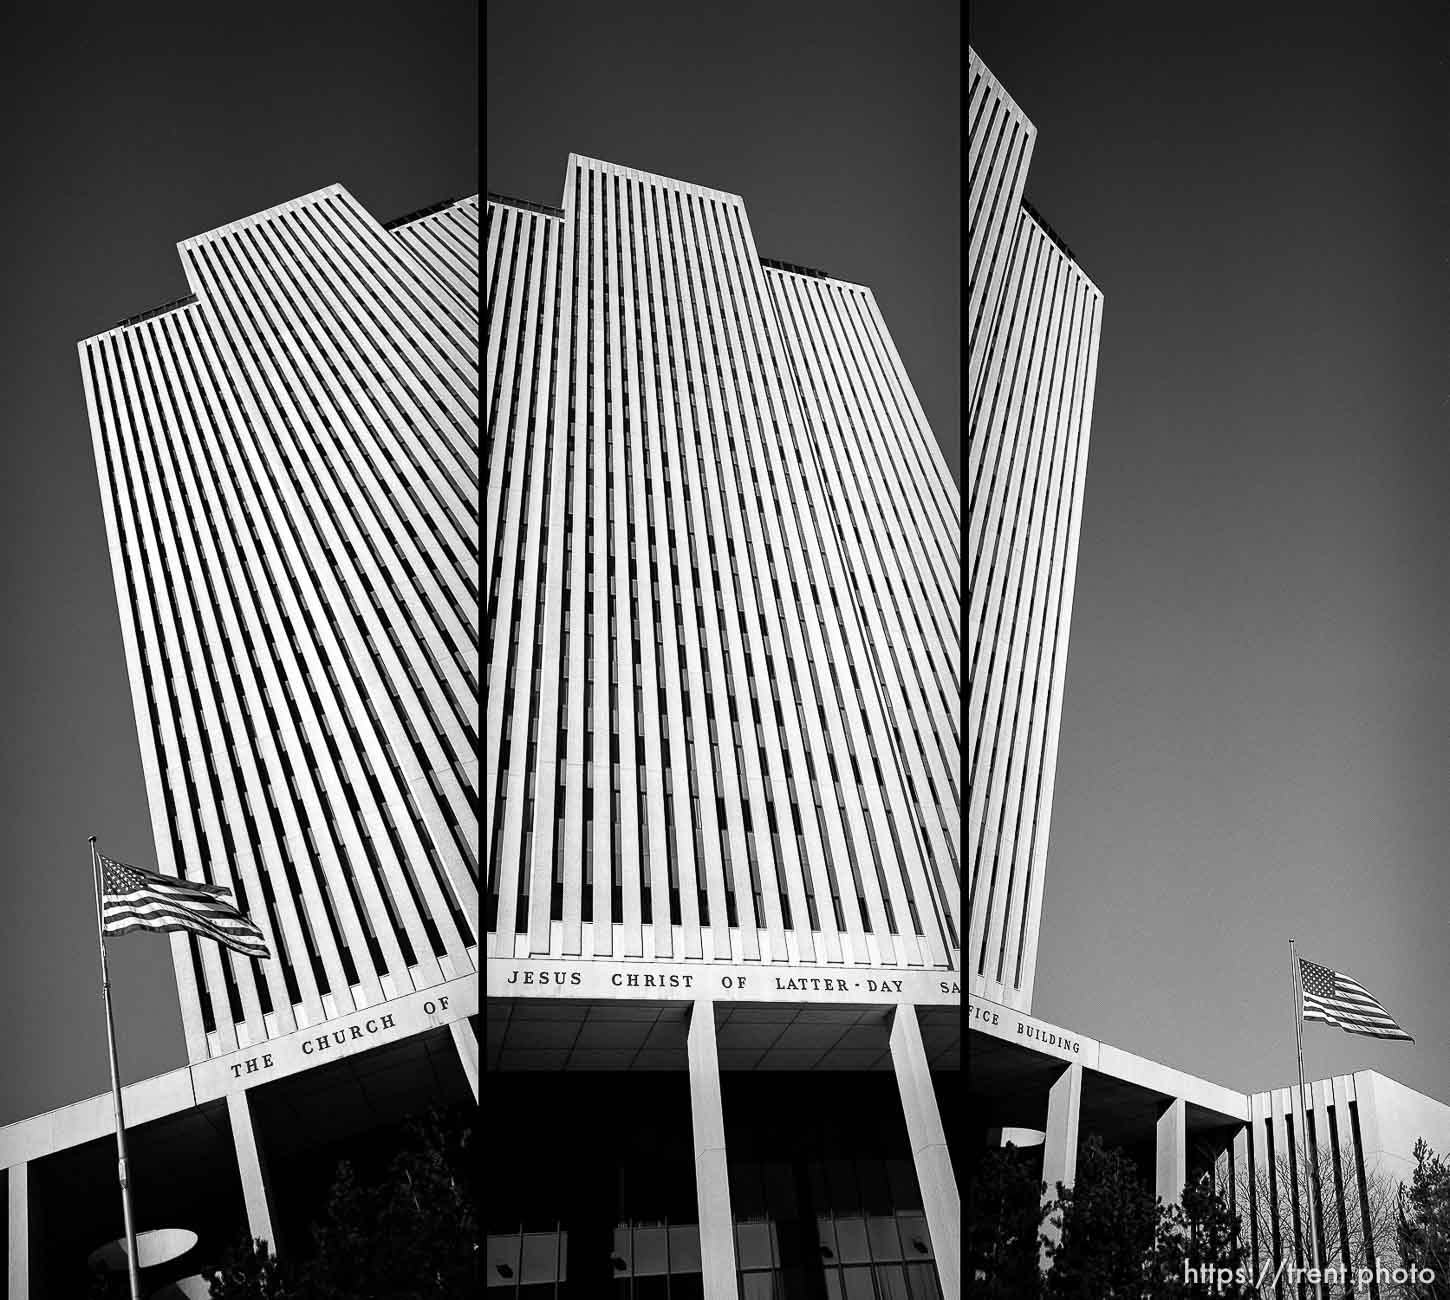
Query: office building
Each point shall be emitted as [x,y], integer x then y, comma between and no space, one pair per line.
[1044,1088]
[1034,319]
[722,745]
[288,465]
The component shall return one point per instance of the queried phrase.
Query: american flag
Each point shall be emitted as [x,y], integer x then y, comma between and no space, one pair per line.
[1338,1000]
[133,898]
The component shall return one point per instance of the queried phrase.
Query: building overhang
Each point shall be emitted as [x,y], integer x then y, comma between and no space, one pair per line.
[1017,1057]
[615,1033]
[192,1086]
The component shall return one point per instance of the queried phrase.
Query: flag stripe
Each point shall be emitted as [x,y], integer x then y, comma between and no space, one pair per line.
[124,923]
[1313,1012]
[182,889]
[1360,1029]
[1353,1011]
[222,925]
[140,900]
[187,889]
[178,884]
[245,947]
[201,927]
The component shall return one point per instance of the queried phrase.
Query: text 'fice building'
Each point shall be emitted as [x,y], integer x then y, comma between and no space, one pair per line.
[721,558]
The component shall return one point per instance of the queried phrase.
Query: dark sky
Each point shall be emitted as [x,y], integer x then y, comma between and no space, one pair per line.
[839,124]
[1254,739]
[127,128]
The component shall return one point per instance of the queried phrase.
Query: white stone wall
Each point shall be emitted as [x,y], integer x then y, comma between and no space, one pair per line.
[1373,1121]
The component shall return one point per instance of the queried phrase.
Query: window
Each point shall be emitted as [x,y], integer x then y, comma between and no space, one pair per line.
[527,1263]
[657,1258]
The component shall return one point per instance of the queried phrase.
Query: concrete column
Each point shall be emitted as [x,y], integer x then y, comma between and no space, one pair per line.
[1288,1174]
[1172,1153]
[1221,1172]
[1242,1172]
[256,1188]
[18,1177]
[1059,1147]
[1347,1188]
[466,1041]
[940,1198]
[1260,1122]
[1369,1124]
[712,1180]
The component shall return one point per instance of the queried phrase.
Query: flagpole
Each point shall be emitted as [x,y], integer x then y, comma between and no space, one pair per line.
[1298,988]
[131,1261]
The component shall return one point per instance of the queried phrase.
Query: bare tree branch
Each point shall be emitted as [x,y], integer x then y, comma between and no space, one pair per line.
[1347,1238]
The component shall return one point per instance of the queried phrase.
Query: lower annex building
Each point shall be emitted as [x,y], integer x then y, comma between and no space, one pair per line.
[722,743]
[287,460]
[1033,344]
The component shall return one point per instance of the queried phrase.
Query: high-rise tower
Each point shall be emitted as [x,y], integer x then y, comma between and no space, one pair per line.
[1034,319]
[722,742]
[722,595]
[288,471]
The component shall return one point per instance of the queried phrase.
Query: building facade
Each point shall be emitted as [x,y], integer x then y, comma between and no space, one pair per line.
[288,473]
[722,736]
[1034,324]
[287,460]
[1035,321]
[1344,1146]
[1043,1088]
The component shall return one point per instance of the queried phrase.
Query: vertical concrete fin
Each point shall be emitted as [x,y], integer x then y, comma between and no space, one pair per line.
[20,1234]
[712,1180]
[252,1169]
[1171,1152]
[466,1041]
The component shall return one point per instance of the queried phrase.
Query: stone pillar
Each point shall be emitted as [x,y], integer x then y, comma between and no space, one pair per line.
[1221,1171]
[1369,1124]
[712,1179]
[466,1041]
[256,1187]
[21,1236]
[1242,1172]
[1351,1211]
[940,1198]
[1059,1147]
[1288,1176]
[1171,1164]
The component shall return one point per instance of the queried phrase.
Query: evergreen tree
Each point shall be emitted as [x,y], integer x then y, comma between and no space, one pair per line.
[1107,1230]
[1005,1213]
[412,1235]
[1424,1224]
[1117,1241]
